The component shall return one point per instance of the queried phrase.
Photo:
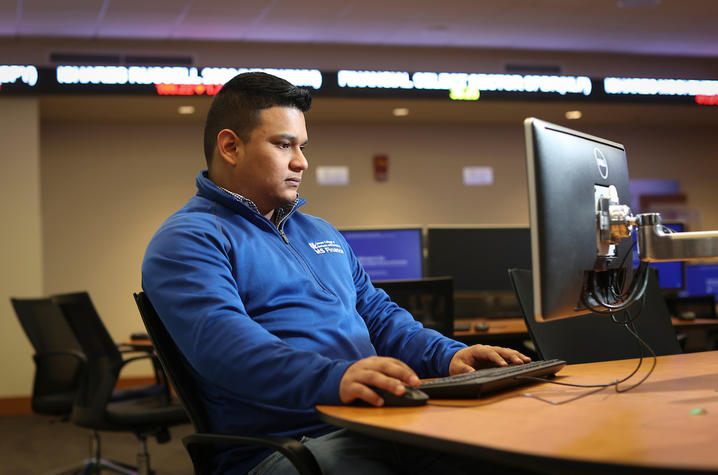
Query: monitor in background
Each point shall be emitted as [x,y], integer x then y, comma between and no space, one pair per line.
[428,300]
[571,177]
[478,258]
[671,275]
[701,279]
[388,253]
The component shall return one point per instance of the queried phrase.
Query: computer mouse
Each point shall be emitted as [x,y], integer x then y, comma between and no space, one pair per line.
[481,326]
[411,397]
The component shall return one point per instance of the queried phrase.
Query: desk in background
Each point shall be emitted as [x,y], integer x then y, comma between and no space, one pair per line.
[506,330]
[499,329]
[651,427]
[138,344]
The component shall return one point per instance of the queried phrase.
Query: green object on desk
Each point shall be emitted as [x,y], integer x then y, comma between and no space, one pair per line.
[698,411]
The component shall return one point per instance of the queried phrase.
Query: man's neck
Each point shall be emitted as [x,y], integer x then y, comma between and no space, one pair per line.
[272,215]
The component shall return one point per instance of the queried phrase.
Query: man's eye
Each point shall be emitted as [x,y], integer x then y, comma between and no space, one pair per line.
[283,144]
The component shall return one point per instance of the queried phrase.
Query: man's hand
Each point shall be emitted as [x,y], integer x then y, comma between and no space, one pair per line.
[482,356]
[381,372]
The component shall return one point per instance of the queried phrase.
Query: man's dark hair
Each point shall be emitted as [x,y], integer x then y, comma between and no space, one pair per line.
[238,104]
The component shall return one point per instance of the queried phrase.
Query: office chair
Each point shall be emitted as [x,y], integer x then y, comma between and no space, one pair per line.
[58,357]
[593,337]
[201,445]
[94,406]
[430,300]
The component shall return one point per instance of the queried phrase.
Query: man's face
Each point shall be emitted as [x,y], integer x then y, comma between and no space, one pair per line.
[270,165]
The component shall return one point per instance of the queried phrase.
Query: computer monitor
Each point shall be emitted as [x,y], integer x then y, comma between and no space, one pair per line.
[388,253]
[671,275]
[569,172]
[701,279]
[478,257]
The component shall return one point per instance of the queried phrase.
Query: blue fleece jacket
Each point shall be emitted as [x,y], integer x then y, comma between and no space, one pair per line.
[269,318]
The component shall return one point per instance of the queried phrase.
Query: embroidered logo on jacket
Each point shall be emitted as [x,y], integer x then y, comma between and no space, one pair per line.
[322,247]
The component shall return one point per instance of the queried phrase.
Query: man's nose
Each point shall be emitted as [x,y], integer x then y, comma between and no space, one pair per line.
[299,161]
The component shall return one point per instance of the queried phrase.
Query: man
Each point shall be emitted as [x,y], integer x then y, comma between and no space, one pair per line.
[270,306]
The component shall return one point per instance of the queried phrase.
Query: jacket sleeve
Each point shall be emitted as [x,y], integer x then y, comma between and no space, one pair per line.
[187,275]
[395,333]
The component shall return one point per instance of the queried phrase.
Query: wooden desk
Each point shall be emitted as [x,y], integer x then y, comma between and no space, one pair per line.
[651,427]
[499,328]
[695,324]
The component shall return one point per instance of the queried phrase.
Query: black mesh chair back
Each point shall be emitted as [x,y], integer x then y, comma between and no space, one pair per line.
[430,300]
[203,445]
[593,337]
[104,359]
[58,356]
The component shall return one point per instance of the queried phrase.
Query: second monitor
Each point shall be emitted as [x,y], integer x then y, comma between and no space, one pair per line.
[478,258]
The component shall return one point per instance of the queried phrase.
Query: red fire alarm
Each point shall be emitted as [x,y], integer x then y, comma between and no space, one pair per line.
[381,167]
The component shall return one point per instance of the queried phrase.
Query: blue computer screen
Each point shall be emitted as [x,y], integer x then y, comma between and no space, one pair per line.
[388,254]
[670,274]
[701,280]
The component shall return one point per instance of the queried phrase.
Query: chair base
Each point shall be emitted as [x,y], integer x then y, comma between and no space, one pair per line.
[96,464]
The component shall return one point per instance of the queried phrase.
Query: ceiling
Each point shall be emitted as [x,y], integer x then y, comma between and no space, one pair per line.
[661,27]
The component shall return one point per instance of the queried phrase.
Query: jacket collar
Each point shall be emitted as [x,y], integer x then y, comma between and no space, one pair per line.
[236,202]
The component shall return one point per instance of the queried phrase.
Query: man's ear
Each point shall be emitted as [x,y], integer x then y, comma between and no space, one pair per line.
[228,146]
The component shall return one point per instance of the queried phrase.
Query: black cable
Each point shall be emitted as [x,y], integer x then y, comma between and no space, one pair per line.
[638,287]
[600,306]
[653,354]
[613,288]
[558,403]
[623,264]
[630,320]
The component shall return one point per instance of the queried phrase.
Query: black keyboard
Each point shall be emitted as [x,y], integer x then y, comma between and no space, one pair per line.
[483,381]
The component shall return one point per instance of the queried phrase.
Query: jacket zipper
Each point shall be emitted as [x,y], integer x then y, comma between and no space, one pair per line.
[296,253]
[284,236]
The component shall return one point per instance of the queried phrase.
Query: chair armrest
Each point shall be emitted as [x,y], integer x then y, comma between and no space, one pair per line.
[126,348]
[300,456]
[160,376]
[135,358]
[130,348]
